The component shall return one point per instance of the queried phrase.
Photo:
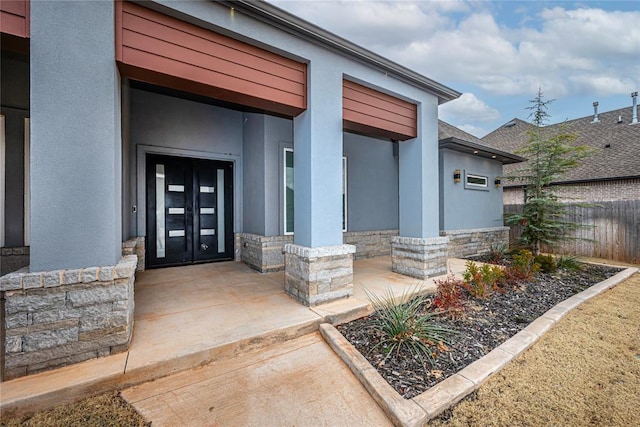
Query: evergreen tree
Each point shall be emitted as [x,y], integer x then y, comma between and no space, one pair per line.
[550,153]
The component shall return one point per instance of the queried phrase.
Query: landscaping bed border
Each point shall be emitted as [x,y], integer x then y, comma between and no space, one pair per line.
[418,410]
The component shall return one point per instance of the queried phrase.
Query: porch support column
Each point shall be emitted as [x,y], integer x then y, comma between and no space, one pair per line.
[75,136]
[419,251]
[318,267]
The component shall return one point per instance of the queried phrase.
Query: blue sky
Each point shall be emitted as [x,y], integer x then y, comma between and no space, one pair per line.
[497,53]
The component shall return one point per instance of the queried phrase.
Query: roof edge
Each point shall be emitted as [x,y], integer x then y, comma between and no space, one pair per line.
[458,144]
[293,24]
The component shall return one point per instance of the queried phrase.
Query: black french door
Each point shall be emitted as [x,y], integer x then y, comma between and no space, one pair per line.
[189,211]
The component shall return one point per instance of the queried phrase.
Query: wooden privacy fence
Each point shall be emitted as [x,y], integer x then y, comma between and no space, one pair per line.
[612,232]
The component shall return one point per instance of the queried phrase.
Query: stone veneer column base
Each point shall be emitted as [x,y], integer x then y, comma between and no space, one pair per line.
[318,275]
[419,257]
[475,241]
[57,318]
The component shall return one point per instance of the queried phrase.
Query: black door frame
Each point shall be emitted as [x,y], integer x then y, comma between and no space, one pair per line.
[193,253]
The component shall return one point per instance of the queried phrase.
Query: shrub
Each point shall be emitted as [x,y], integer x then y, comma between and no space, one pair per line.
[403,328]
[480,282]
[523,265]
[546,262]
[568,262]
[450,296]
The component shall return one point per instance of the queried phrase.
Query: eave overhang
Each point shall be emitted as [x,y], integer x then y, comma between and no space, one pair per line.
[467,147]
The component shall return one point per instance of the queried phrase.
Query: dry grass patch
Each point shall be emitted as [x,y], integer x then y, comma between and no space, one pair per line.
[585,371]
[105,410]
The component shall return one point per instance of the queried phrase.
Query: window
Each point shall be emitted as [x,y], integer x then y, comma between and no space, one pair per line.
[288,192]
[2,153]
[476,182]
[27,181]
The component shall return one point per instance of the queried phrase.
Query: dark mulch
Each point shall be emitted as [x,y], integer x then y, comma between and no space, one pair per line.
[485,325]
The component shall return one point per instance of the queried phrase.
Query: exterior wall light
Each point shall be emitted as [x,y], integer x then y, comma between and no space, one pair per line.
[456,176]
[498,182]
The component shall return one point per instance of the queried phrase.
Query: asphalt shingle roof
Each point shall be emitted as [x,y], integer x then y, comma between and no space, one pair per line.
[616,144]
[454,138]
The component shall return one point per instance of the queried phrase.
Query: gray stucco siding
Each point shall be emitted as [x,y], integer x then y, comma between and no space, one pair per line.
[320,225]
[464,208]
[76,214]
[372,183]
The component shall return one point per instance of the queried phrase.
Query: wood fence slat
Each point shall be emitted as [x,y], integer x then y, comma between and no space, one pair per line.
[613,231]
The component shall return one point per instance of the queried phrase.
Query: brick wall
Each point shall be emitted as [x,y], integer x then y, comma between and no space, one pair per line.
[58,318]
[597,191]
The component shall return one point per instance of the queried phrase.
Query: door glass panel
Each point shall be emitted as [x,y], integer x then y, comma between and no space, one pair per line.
[160,248]
[177,188]
[176,211]
[288,191]
[176,233]
[207,211]
[208,232]
[220,201]
[204,189]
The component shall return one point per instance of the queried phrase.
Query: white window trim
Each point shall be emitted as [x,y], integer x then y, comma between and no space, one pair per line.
[345,218]
[27,181]
[2,177]
[474,186]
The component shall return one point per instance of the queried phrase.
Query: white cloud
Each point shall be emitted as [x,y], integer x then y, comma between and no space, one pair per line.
[467,108]
[565,51]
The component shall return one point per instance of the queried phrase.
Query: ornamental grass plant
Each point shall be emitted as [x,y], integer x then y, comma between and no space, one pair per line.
[404,326]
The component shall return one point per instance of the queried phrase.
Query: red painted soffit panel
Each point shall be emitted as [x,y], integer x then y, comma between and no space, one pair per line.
[370,112]
[163,50]
[14,17]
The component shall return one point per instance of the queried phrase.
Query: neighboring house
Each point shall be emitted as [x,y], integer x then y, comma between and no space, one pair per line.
[608,180]
[612,172]
[186,132]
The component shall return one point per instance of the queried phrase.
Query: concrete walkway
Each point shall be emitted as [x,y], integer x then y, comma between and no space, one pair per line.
[301,382]
[187,317]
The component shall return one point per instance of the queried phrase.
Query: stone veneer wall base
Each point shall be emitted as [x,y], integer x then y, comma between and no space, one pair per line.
[318,275]
[419,257]
[57,318]
[476,241]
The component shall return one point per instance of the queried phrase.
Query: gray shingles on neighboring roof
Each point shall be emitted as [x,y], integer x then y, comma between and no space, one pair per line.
[456,139]
[620,160]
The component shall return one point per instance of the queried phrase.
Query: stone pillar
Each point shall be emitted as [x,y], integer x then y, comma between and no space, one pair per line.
[419,258]
[318,275]
[419,251]
[75,136]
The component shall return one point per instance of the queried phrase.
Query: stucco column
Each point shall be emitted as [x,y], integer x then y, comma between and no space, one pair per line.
[75,136]
[318,267]
[317,157]
[419,251]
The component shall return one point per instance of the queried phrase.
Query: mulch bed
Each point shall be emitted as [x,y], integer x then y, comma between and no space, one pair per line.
[485,325]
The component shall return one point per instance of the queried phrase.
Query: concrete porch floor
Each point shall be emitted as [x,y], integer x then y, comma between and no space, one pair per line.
[187,317]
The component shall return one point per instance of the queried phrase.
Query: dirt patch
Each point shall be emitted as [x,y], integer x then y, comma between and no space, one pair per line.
[105,410]
[585,371]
